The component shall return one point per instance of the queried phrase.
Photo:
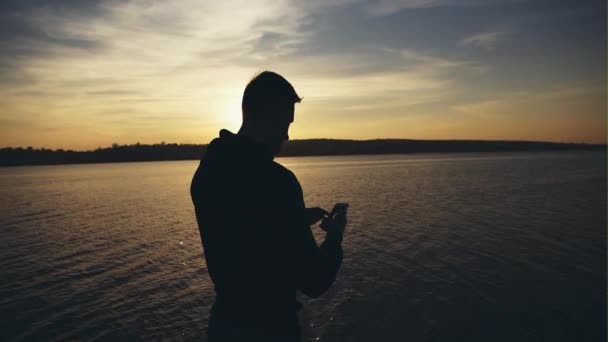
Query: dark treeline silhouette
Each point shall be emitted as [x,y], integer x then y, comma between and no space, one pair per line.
[309,147]
[116,153]
[319,147]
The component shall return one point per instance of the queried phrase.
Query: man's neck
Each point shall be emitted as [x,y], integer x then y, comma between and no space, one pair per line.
[253,133]
[260,136]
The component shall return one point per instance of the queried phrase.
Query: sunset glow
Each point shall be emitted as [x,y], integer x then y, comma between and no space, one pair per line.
[78,75]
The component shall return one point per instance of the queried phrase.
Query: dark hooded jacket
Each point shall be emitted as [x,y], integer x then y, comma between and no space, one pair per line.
[257,244]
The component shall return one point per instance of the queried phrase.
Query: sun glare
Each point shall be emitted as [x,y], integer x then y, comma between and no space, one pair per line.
[229,115]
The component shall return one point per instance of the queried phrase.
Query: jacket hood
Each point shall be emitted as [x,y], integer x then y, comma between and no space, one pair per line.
[234,147]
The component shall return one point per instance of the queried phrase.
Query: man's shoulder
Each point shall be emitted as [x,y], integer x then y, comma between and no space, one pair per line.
[287,179]
[284,173]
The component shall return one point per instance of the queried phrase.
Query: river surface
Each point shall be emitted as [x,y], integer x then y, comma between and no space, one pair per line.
[439,247]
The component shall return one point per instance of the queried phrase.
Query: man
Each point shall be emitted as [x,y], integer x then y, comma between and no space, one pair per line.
[254,226]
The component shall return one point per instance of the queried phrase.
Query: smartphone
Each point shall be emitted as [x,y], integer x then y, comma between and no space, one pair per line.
[338,208]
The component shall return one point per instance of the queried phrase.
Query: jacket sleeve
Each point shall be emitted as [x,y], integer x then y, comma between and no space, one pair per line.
[316,266]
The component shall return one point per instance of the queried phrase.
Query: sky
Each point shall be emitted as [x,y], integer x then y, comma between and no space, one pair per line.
[82,74]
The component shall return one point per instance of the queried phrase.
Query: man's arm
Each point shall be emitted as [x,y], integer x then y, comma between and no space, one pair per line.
[316,266]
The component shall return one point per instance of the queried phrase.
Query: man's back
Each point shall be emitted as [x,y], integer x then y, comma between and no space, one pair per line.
[258,246]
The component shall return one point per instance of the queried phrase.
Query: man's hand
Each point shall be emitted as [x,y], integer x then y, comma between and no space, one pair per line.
[314,215]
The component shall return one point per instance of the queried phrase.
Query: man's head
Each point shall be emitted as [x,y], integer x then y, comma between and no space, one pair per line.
[269,107]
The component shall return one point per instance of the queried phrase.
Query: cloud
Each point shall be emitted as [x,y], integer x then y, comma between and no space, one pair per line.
[386,7]
[434,62]
[485,40]
[414,82]
[110,68]
[112,65]
[117,51]
[176,51]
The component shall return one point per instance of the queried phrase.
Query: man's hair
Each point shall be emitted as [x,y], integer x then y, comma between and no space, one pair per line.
[267,94]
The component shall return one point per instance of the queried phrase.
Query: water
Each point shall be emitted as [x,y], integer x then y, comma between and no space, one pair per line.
[439,247]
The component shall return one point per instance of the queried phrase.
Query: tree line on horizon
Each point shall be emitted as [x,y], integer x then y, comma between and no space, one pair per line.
[10,156]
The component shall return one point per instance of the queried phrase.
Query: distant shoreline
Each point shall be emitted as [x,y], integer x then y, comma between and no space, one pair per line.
[293,148]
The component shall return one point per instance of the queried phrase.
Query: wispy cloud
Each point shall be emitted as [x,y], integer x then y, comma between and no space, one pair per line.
[413,78]
[485,40]
[385,7]
[437,62]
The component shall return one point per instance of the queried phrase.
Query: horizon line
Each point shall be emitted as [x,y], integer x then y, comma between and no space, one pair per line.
[310,139]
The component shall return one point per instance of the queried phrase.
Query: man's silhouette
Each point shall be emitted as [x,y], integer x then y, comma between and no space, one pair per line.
[254,226]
